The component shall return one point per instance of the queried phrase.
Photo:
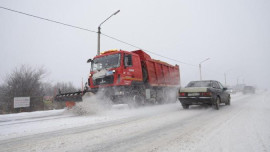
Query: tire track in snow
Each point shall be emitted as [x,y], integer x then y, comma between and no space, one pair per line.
[218,135]
[36,119]
[146,137]
[133,133]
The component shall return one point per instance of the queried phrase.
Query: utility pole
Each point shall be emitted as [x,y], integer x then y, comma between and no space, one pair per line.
[98,46]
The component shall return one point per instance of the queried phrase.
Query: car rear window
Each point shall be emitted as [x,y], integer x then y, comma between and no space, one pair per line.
[199,84]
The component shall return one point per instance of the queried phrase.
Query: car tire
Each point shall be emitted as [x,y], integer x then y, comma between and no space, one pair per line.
[228,101]
[185,106]
[217,103]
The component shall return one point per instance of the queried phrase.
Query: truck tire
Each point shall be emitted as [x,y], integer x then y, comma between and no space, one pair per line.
[160,100]
[185,106]
[164,99]
[217,103]
[161,97]
[145,75]
[136,101]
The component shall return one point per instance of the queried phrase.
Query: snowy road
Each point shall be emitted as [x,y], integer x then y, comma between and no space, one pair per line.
[243,126]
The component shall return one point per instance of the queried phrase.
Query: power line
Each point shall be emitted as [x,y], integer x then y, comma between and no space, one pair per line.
[147,50]
[77,27]
[88,30]
[42,18]
[156,53]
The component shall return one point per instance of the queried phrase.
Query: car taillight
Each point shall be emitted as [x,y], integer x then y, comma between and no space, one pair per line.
[206,94]
[182,94]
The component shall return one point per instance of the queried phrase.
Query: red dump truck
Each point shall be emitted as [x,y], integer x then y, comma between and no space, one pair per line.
[124,76]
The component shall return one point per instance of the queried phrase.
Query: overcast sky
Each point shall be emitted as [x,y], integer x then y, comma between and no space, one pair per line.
[234,34]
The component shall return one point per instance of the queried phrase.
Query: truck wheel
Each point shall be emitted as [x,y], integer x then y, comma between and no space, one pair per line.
[217,103]
[136,101]
[162,97]
[228,101]
[160,100]
[185,106]
[145,75]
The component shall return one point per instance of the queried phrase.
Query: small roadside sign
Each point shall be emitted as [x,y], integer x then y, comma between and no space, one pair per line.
[20,102]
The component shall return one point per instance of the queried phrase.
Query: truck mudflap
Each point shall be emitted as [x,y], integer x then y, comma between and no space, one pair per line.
[71,96]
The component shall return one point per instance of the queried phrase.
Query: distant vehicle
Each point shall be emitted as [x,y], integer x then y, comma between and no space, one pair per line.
[209,92]
[248,89]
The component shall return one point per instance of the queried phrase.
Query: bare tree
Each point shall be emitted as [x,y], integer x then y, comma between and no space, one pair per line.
[26,81]
[51,90]
[48,89]
[65,87]
[3,99]
[23,81]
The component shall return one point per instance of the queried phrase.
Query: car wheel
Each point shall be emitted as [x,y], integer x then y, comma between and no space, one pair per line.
[228,101]
[217,103]
[185,106]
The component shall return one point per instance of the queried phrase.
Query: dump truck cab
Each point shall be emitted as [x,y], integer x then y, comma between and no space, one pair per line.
[115,70]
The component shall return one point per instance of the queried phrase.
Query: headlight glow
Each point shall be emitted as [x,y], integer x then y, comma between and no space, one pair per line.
[109,73]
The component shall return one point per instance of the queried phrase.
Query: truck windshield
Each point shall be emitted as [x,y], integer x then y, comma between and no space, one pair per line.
[106,62]
[199,84]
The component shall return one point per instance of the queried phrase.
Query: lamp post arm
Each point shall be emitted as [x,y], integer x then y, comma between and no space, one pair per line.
[204,60]
[109,18]
[200,67]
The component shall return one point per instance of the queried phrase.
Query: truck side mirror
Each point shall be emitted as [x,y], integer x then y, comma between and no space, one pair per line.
[89,60]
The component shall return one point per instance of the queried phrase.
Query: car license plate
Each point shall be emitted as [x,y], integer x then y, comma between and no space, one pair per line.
[193,94]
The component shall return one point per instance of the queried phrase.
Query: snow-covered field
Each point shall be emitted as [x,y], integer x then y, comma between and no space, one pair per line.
[243,126]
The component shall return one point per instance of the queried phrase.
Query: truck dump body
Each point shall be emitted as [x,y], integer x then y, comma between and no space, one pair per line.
[159,73]
[162,74]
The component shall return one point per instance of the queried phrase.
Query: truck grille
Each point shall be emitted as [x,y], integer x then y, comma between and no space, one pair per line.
[105,80]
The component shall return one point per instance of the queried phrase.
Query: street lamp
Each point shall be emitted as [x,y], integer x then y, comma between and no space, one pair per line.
[99,27]
[200,67]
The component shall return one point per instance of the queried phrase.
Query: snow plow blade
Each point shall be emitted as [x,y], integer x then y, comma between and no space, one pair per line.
[72,96]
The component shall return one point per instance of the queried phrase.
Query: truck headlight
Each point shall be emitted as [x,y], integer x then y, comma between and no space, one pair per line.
[109,72]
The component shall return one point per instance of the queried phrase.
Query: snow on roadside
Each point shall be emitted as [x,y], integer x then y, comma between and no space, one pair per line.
[23,124]
[29,115]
